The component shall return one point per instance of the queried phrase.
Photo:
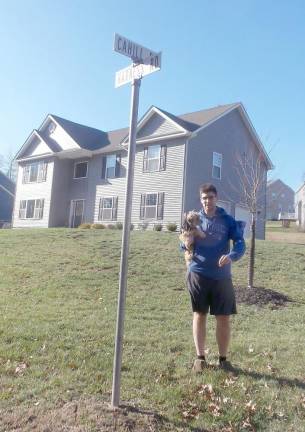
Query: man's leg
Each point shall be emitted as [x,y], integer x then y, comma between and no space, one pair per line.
[199,332]
[223,332]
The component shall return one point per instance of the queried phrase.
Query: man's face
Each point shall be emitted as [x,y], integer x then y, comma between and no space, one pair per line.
[208,201]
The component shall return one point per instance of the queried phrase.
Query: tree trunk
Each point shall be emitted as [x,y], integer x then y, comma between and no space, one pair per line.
[252,253]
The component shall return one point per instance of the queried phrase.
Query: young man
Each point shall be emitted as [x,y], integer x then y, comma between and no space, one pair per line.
[209,275]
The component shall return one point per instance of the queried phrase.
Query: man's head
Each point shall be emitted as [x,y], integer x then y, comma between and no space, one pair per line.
[208,198]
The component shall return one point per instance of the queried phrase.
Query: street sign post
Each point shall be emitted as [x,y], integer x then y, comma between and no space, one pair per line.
[137,71]
[145,61]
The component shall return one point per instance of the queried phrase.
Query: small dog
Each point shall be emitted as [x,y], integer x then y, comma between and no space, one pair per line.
[189,232]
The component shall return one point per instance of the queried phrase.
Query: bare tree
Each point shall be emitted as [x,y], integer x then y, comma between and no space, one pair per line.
[8,165]
[251,173]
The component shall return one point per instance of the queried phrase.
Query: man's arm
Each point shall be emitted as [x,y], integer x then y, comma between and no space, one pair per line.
[236,234]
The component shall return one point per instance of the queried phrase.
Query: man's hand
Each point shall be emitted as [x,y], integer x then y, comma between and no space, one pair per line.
[224,259]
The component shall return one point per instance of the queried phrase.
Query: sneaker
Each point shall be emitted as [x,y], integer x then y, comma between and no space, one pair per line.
[199,365]
[227,366]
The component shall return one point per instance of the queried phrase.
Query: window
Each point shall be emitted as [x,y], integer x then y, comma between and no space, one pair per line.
[217,162]
[154,158]
[80,170]
[152,205]
[111,166]
[108,208]
[31,209]
[35,172]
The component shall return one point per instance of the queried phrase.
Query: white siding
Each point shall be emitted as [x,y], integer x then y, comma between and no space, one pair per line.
[41,148]
[33,191]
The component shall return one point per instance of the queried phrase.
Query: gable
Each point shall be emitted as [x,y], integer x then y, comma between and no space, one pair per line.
[34,146]
[157,126]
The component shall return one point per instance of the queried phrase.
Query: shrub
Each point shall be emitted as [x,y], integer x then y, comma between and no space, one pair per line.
[131,227]
[85,225]
[119,225]
[172,227]
[158,227]
[143,226]
[111,226]
[98,226]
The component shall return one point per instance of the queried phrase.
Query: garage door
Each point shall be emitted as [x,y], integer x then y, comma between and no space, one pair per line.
[243,214]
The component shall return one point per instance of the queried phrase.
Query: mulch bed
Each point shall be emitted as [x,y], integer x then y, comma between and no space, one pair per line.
[261,297]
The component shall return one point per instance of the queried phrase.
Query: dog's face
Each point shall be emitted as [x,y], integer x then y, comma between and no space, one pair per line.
[192,219]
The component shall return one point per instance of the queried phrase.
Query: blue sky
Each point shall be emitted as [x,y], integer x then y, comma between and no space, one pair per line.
[57,57]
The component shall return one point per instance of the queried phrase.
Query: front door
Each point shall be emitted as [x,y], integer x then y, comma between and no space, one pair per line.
[77,213]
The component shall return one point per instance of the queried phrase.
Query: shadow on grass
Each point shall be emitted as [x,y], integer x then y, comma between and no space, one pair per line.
[162,421]
[281,380]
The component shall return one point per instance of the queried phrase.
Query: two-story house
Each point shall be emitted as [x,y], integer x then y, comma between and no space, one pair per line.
[70,173]
[279,199]
[7,196]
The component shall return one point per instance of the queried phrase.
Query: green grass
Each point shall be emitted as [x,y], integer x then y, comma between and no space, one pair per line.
[57,318]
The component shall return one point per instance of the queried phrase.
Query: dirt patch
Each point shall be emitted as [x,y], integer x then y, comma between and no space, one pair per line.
[87,416]
[260,296]
[286,237]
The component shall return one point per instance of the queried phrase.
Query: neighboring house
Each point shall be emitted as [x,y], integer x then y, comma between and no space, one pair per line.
[279,199]
[70,173]
[7,196]
[300,207]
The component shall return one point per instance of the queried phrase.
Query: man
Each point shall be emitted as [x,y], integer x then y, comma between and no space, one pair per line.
[209,275]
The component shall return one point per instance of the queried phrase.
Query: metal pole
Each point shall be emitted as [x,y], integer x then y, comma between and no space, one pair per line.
[125,245]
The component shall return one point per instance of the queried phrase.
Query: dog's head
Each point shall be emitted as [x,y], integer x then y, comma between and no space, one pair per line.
[191,220]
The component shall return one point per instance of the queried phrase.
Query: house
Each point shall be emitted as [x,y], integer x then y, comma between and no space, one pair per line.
[300,207]
[69,173]
[7,196]
[279,199]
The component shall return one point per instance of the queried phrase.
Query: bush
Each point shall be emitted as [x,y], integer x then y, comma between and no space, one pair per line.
[98,226]
[85,225]
[158,227]
[111,226]
[131,227]
[143,226]
[119,225]
[172,227]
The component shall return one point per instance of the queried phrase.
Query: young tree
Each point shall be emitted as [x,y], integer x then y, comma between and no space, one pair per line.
[251,173]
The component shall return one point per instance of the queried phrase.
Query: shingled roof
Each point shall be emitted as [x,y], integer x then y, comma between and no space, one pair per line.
[7,183]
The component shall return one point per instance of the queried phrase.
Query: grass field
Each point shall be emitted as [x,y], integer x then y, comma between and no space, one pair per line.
[57,321]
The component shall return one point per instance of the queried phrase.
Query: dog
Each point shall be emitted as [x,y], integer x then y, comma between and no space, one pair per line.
[189,233]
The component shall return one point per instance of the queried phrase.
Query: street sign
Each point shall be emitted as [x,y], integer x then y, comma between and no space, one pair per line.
[136,52]
[128,74]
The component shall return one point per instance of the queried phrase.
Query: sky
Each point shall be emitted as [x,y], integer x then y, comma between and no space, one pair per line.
[57,57]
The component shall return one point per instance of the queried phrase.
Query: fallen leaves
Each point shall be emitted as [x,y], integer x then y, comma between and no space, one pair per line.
[21,367]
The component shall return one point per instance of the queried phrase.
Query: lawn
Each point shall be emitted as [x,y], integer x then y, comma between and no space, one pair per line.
[57,322]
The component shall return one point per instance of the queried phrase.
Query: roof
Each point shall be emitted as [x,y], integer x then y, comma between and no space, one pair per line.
[7,183]
[273,182]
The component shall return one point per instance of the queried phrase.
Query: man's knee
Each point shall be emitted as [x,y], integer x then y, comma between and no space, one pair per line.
[199,316]
[223,320]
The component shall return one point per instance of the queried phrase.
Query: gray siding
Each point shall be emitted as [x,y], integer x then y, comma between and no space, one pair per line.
[157,126]
[34,191]
[60,204]
[280,198]
[169,181]
[228,136]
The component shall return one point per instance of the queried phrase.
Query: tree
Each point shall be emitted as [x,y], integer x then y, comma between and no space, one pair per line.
[251,173]
[8,165]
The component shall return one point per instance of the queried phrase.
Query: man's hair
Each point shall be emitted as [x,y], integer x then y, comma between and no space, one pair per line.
[207,187]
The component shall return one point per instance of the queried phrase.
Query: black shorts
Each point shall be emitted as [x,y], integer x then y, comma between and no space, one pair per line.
[216,295]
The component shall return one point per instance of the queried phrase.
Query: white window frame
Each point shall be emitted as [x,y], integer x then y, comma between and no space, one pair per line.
[217,162]
[41,172]
[78,163]
[101,209]
[154,158]
[110,157]
[38,209]
[150,206]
